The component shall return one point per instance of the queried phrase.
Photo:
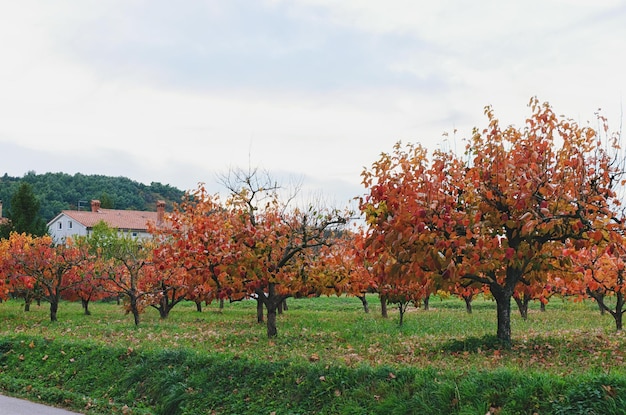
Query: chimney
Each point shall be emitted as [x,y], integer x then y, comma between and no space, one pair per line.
[160,212]
[95,205]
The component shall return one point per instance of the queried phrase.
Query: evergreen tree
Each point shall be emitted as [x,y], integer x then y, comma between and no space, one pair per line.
[106,202]
[5,230]
[24,213]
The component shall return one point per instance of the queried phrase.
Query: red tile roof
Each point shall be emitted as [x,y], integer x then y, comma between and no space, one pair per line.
[119,219]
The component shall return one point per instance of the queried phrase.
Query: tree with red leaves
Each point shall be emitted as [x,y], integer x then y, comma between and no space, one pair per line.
[280,244]
[197,253]
[499,217]
[53,268]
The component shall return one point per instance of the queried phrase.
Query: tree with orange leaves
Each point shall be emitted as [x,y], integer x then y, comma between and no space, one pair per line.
[348,271]
[602,272]
[467,292]
[280,243]
[51,267]
[524,294]
[5,281]
[412,212]
[499,218]
[282,254]
[89,279]
[339,269]
[196,253]
[88,284]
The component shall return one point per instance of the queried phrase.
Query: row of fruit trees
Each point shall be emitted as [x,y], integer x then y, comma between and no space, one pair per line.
[525,213]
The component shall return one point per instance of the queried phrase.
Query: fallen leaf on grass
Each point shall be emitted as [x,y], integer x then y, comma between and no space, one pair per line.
[609,390]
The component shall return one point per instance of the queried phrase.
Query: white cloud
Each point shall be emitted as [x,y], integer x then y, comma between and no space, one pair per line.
[314,87]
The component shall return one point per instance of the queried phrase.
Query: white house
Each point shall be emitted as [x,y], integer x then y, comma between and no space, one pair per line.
[70,223]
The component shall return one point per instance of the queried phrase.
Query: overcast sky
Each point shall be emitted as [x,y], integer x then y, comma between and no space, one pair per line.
[177,92]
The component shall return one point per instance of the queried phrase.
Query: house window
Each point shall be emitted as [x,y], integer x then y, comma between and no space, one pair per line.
[69,224]
[134,233]
[60,225]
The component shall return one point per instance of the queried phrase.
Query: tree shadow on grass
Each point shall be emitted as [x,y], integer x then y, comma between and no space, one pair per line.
[475,344]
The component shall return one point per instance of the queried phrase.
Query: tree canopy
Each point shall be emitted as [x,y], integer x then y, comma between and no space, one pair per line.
[501,216]
[24,213]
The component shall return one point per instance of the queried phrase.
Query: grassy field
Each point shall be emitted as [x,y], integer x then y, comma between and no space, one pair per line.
[330,357]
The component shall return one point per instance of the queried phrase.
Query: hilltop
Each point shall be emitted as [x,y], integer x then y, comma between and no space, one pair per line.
[59,191]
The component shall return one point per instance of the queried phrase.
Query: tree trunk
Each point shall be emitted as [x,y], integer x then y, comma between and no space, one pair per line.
[598,296]
[28,300]
[542,307]
[468,303]
[136,316]
[366,307]
[164,311]
[134,309]
[271,321]
[426,301]
[503,295]
[600,301]
[402,309]
[54,307]
[198,306]
[522,305]
[272,301]
[383,306]
[503,305]
[282,306]
[85,304]
[619,306]
[259,310]
[619,313]
[165,306]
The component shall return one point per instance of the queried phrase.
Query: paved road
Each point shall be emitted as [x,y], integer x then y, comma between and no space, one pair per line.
[14,406]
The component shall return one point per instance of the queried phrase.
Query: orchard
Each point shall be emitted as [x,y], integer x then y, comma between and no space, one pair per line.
[524,213]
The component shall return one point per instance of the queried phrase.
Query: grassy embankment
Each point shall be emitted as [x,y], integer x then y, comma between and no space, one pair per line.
[329,358]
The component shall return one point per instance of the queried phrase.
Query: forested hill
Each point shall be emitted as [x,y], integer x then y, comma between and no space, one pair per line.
[59,191]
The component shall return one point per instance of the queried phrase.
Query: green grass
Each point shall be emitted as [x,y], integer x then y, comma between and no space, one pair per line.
[330,357]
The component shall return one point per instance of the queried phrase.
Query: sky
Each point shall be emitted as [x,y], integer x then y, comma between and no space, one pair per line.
[311,91]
